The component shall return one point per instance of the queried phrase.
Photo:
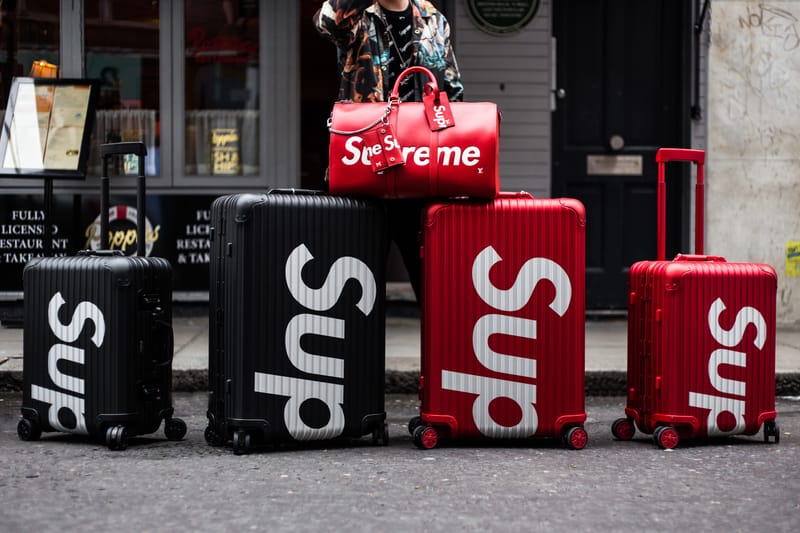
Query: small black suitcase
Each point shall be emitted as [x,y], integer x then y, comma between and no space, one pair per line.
[297,326]
[97,343]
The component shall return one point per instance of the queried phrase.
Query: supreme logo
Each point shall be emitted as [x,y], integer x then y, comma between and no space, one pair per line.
[67,410]
[726,410]
[358,151]
[320,300]
[505,301]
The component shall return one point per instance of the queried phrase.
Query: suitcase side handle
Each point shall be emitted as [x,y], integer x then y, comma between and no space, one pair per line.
[294,192]
[663,156]
[700,258]
[107,151]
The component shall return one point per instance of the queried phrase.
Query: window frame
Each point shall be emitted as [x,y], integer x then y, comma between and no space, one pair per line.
[279,104]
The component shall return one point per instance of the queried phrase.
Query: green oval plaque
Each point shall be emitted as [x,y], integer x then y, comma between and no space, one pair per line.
[502,16]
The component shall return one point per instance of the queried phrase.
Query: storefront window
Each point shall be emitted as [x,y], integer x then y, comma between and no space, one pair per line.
[28,34]
[221,91]
[122,47]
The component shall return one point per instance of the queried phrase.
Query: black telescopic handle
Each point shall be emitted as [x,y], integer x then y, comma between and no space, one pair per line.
[113,149]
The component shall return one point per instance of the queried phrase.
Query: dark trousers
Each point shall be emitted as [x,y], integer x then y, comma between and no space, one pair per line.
[404,224]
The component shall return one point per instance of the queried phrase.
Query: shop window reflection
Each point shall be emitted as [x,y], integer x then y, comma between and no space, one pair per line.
[28,33]
[122,47]
[221,91]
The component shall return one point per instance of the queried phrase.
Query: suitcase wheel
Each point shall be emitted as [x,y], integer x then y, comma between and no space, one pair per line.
[623,429]
[666,437]
[174,428]
[426,437]
[413,424]
[28,429]
[213,438]
[381,435]
[771,429]
[117,438]
[576,438]
[241,442]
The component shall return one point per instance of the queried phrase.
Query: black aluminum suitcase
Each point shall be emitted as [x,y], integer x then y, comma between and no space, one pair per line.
[97,343]
[297,326]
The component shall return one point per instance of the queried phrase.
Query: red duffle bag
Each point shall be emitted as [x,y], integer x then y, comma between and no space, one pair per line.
[414,149]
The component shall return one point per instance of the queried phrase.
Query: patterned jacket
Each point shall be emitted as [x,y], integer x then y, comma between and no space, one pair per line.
[358,30]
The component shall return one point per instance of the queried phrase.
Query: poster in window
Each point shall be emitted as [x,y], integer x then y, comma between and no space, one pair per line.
[225,151]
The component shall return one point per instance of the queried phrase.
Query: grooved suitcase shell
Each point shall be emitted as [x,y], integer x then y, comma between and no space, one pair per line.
[263,335]
[518,320]
[125,379]
[701,337]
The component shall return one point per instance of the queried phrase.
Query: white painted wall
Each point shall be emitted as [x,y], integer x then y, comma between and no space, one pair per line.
[753,158]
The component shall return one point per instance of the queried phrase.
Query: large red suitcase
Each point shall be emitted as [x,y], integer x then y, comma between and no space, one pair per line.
[701,338]
[503,320]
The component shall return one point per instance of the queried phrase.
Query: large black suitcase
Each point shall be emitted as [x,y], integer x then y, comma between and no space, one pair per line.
[297,326]
[97,343]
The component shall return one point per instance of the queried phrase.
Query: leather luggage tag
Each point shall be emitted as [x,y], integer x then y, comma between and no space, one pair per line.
[385,151]
[438,113]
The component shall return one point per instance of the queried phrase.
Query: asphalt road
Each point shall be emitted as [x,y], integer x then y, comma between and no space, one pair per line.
[62,483]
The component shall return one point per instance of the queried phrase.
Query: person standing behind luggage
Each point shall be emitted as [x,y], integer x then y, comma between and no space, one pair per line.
[376,40]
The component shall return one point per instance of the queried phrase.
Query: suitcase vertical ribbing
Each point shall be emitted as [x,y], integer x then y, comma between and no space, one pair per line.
[701,339]
[503,320]
[98,338]
[297,307]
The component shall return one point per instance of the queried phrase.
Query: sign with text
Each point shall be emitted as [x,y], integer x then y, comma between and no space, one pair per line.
[502,16]
[177,228]
[225,151]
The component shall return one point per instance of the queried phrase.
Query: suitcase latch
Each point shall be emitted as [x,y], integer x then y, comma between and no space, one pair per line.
[151,392]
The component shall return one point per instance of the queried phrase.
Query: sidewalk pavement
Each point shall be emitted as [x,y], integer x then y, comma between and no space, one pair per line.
[606,355]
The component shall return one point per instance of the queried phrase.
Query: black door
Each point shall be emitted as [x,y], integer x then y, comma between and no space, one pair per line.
[621,93]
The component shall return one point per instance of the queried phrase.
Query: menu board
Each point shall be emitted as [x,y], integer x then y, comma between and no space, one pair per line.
[46,128]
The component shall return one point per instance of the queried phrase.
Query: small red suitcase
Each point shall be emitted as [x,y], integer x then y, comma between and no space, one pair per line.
[701,338]
[503,313]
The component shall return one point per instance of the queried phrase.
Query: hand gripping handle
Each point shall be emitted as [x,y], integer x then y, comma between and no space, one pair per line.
[663,156]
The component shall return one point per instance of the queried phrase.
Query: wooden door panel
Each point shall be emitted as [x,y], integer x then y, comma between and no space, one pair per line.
[621,64]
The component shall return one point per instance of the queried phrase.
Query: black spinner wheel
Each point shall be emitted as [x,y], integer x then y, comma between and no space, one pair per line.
[117,437]
[212,437]
[28,429]
[772,429]
[414,423]
[241,442]
[174,428]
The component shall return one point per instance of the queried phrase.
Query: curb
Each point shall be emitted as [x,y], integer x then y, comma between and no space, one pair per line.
[609,383]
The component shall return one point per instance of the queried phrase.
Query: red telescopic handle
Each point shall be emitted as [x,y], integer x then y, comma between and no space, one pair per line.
[663,156]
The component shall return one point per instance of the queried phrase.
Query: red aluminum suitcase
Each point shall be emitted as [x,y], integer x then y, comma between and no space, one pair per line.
[503,320]
[701,338]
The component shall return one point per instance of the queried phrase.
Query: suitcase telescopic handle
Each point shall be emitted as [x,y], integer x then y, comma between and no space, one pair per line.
[107,151]
[663,156]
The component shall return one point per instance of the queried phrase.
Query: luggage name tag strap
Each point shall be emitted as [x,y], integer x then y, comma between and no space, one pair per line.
[384,149]
[437,108]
